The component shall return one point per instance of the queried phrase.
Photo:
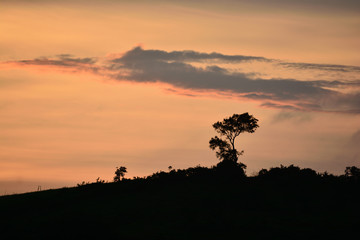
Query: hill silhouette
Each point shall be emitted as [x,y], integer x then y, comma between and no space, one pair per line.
[220,202]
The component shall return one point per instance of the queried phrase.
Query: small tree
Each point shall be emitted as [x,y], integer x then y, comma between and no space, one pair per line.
[120,173]
[230,128]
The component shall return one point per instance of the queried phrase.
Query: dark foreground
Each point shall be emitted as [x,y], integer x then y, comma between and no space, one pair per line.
[198,206]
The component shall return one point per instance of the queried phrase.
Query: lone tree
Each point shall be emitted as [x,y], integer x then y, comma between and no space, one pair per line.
[119,173]
[230,128]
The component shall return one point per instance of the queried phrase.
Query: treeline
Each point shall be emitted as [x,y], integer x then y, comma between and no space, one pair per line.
[219,202]
[235,172]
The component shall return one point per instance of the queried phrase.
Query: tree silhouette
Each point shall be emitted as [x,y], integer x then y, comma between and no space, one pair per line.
[352,172]
[230,128]
[119,173]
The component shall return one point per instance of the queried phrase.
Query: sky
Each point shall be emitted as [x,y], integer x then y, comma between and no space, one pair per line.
[87,86]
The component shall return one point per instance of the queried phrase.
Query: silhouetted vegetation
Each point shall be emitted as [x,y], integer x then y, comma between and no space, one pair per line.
[290,173]
[230,128]
[120,173]
[219,202]
[352,173]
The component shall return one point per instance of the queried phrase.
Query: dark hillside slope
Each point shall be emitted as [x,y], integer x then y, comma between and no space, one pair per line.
[187,208]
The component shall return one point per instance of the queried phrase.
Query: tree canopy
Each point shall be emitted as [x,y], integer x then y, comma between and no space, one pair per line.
[230,128]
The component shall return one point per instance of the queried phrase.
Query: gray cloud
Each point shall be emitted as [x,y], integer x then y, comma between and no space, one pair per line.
[65,60]
[70,58]
[138,54]
[185,75]
[177,69]
[326,67]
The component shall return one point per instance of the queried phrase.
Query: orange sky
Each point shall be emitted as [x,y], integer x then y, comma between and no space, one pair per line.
[62,122]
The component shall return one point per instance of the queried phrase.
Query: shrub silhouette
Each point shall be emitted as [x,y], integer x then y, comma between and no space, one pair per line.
[230,169]
[290,173]
[100,181]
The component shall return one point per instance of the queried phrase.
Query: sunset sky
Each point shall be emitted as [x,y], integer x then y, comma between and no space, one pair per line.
[89,85]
